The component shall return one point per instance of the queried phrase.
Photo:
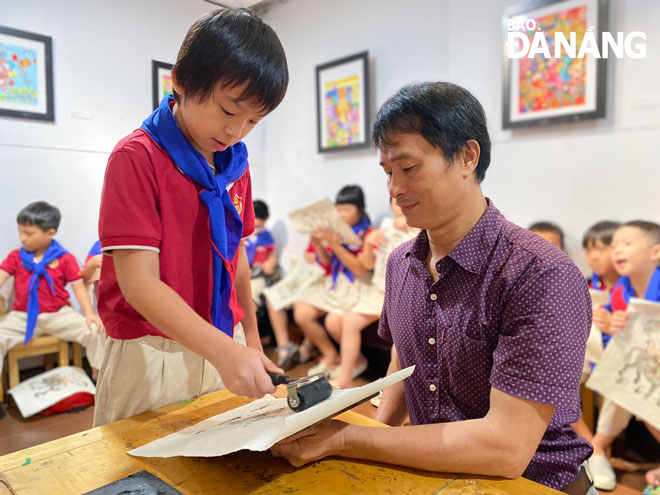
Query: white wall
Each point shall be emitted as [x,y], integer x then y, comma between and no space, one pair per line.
[102,66]
[102,52]
[571,174]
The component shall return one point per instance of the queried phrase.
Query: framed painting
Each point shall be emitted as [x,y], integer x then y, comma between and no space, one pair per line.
[342,101]
[161,81]
[552,71]
[26,75]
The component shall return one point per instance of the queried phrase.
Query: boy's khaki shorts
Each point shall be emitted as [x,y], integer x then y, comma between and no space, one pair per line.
[143,374]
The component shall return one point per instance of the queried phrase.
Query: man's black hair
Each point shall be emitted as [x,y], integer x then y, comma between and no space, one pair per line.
[233,46]
[444,114]
[601,231]
[41,214]
[260,209]
[544,226]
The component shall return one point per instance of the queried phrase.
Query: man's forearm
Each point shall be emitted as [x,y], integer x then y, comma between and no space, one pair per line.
[461,447]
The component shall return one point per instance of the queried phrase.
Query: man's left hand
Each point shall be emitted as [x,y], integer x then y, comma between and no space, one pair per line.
[321,441]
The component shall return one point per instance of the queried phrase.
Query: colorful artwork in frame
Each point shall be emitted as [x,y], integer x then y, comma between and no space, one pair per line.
[541,90]
[342,100]
[161,81]
[26,75]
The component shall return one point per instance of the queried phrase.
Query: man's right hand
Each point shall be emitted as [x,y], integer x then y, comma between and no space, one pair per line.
[243,370]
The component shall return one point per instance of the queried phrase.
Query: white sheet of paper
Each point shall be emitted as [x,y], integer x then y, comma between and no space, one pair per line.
[283,293]
[599,297]
[628,373]
[323,214]
[45,389]
[259,424]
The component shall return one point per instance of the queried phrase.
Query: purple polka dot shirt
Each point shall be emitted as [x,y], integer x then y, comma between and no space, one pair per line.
[509,311]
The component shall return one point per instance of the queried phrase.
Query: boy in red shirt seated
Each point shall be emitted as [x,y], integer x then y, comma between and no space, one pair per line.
[42,268]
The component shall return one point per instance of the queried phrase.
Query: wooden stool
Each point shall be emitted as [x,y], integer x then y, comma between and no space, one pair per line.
[38,346]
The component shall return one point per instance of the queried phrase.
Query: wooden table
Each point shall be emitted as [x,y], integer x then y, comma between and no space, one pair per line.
[93,458]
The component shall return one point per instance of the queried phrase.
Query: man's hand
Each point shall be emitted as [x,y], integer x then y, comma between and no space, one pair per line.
[602,319]
[321,441]
[243,370]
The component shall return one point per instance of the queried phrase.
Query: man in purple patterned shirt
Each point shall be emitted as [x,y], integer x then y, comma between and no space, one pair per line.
[495,318]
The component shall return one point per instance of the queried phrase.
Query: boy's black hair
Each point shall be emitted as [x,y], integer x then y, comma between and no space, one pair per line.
[651,229]
[41,214]
[260,209]
[444,114]
[544,226]
[601,231]
[352,195]
[233,46]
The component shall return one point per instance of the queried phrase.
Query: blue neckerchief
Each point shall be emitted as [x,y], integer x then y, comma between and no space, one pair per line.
[54,251]
[652,290]
[623,288]
[336,266]
[96,249]
[595,281]
[226,224]
[263,238]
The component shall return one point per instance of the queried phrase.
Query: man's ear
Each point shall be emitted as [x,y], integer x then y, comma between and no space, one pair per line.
[470,157]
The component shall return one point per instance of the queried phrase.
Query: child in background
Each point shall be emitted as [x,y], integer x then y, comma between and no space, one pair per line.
[177,200]
[339,291]
[597,244]
[635,253]
[260,249]
[370,304]
[42,268]
[92,269]
[550,232]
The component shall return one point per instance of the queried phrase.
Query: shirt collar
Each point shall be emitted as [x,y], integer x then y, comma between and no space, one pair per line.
[474,249]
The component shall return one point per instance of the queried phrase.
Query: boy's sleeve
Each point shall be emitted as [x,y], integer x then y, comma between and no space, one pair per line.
[129,217]
[96,250]
[10,264]
[70,268]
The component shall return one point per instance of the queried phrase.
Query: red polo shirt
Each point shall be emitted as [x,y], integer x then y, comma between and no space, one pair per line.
[63,270]
[148,203]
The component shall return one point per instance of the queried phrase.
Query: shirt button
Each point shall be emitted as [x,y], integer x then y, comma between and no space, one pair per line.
[433,297]
[432,341]
[432,388]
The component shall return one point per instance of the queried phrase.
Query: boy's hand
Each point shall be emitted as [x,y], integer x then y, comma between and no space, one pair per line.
[309,257]
[602,318]
[619,321]
[243,371]
[94,323]
[95,261]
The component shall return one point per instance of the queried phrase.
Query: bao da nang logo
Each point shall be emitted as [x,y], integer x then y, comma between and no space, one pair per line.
[521,43]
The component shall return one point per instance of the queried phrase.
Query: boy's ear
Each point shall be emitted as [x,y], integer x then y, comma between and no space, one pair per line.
[655,252]
[175,81]
[51,232]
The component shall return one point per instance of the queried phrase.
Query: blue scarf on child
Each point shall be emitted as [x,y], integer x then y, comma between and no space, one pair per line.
[652,290]
[336,266]
[226,223]
[54,251]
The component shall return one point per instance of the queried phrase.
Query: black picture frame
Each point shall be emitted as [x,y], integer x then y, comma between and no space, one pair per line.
[11,63]
[595,92]
[157,68]
[352,66]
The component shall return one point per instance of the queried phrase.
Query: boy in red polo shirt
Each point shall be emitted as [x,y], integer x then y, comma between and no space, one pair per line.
[42,268]
[176,204]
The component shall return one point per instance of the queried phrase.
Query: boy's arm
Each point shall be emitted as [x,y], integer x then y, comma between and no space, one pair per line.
[82,296]
[244,296]
[90,268]
[242,368]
